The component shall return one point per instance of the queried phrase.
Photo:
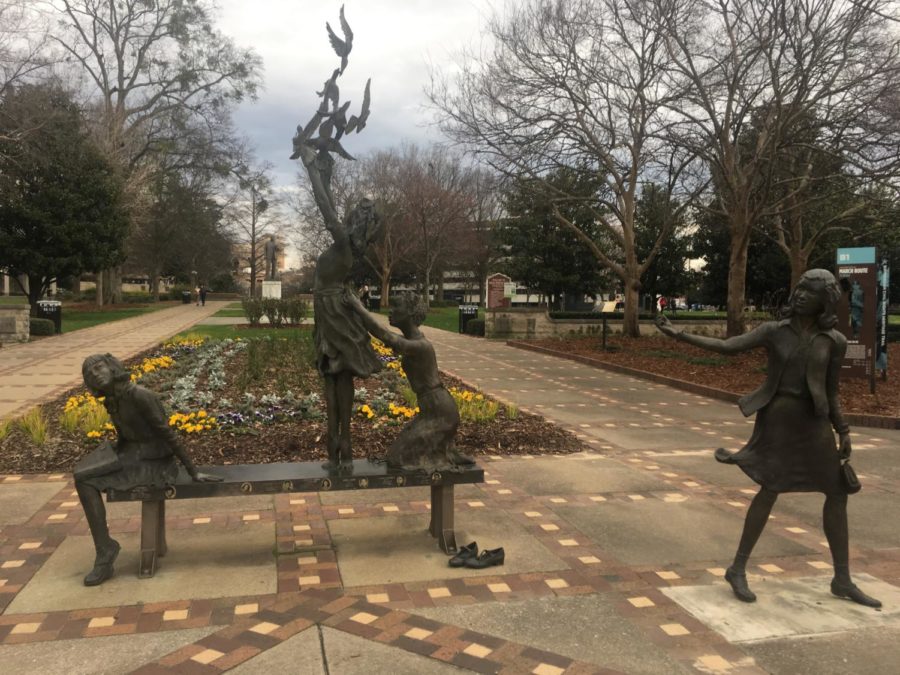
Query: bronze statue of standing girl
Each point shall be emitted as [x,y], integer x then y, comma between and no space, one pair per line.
[792,448]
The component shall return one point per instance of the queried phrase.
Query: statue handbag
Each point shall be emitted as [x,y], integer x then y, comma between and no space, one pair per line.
[101,461]
[849,478]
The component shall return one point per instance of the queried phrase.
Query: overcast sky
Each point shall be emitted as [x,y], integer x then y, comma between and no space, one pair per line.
[395,42]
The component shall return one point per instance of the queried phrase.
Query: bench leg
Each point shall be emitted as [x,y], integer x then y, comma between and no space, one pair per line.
[161,546]
[152,513]
[441,525]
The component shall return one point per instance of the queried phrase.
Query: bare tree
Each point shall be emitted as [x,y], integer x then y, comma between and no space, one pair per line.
[770,65]
[22,41]
[396,243]
[577,83]
[252,214]
[144,62]
[479,250]
[435,205]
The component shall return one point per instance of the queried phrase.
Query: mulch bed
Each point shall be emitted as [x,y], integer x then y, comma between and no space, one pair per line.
[739,374]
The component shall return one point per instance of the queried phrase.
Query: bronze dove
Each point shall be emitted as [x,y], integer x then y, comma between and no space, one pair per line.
[341,47]
[330,91]
[359,123]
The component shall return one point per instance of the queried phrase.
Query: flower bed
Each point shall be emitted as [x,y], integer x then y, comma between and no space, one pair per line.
[257,400]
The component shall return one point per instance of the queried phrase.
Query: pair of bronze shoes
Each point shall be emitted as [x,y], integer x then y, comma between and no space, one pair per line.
[468,556]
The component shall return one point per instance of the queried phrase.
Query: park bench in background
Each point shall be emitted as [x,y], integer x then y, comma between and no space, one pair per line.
[261,479]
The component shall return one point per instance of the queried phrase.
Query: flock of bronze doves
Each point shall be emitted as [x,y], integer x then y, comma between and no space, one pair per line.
[335,123]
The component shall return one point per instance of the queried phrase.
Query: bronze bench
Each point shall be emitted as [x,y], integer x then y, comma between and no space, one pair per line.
[256,479]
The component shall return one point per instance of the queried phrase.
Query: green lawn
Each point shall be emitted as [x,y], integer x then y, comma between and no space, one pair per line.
[13,300]
[229,311]
[446,318]
[76,319]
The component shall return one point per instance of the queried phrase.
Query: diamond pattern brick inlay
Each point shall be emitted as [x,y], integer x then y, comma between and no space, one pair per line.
[589,559]
[9,564]
[364,618]
[477,650]
[301,528]
[547,669]
[101,621]
[674,629]
[668,576]
[418,633]
[25,628]
[557,583]
[713,663]
[568,542]
[265,628]
[549,527]
[533,514]
[30,545]
[770,568]
[250,608]
[202,521]
[207,656]
[499,588]
[390,508]
[376,598]
[175,615]
[311,580]
[819,565]
[440,592]
[641,602]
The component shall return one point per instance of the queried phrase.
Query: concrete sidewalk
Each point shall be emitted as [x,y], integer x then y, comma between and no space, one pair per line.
[614,558]
[38,371]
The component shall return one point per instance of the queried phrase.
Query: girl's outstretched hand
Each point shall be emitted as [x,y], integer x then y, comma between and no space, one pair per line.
[665,326]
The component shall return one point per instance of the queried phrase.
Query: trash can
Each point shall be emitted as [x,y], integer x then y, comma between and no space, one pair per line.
[185,297]
[375,304]
[51,309]
[466,314]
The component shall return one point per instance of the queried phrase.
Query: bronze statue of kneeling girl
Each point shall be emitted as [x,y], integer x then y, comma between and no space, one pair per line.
[143,455]
[792,448]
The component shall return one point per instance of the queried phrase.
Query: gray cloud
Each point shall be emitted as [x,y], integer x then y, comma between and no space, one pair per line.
[394,43]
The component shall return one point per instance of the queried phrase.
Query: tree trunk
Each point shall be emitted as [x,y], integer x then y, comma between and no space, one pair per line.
[385,288]
[98,287]
[154,286]
[115,284]
[427,288]
[737,282]
[253,269]
[34,291]
[630,324]
[799,263]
